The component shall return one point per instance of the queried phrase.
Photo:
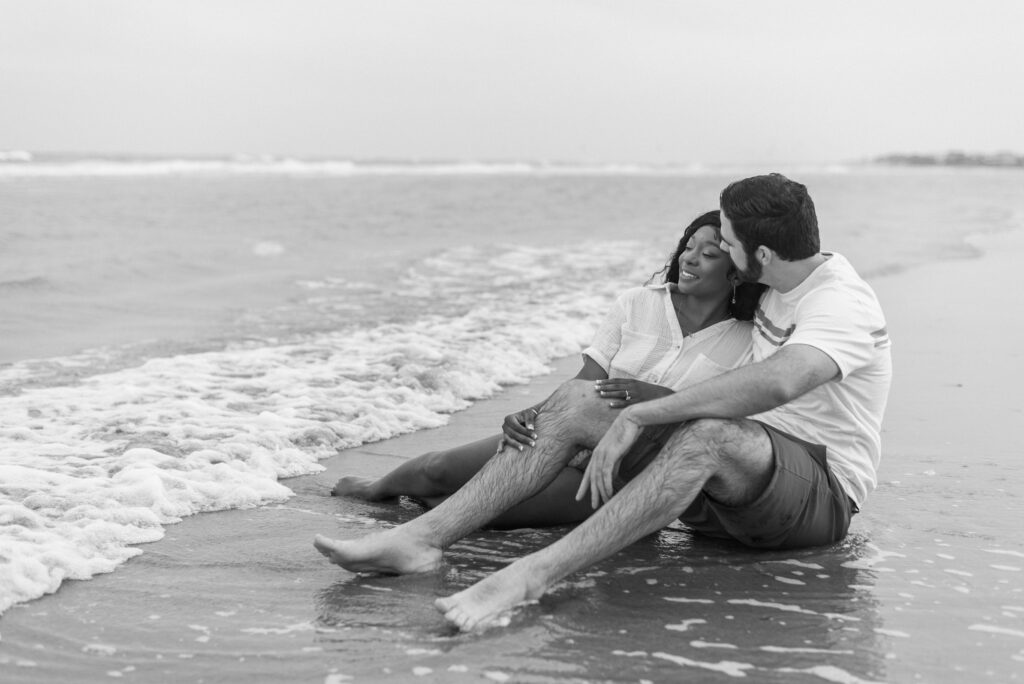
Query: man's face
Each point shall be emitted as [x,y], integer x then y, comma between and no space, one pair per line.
[747,266]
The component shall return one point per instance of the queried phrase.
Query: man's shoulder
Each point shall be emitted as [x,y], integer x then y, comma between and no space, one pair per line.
[838,271]
[837,282]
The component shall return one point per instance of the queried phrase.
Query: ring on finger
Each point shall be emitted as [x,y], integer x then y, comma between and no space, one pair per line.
[627,395]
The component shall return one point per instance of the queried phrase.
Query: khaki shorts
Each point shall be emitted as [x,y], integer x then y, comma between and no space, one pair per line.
[803,504]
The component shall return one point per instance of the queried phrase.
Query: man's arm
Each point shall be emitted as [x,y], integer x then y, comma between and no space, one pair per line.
[790,372]
[784,376]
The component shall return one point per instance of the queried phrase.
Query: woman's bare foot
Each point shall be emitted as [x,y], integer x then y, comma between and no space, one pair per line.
[360,488]
[393,552]
[487,602]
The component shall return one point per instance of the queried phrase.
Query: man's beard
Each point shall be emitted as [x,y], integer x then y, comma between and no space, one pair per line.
[752,273]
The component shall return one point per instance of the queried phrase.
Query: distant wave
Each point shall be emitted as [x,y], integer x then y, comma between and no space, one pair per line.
[24,164]
[33,283]
[15,156]
[100,167]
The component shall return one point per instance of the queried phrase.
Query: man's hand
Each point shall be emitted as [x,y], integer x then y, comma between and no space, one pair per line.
[517,430]
[604,463]
[623,392]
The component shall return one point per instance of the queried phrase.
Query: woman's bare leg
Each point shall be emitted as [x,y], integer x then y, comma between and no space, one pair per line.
[733,459]
[573,416]
[433,477]
[554,505]
[429,477]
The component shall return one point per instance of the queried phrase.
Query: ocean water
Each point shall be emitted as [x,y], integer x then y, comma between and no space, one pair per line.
[179,337]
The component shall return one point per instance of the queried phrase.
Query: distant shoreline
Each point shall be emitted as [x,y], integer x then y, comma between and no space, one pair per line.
[999,159]
[14,163]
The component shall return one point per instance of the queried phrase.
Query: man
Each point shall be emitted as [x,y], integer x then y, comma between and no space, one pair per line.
[776,454]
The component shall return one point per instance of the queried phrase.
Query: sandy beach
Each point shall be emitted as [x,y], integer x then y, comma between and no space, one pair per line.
[247,249]
[927,587]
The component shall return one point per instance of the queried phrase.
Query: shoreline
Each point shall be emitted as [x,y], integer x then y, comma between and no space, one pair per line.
[930,577]
[107,357]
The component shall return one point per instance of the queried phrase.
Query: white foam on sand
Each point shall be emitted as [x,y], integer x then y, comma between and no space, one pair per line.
[686,624]
[829,673]
[789,608]
[93,467]
[728,667]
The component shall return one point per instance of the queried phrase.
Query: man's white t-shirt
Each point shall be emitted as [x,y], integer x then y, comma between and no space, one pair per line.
[641,339]
[835,311]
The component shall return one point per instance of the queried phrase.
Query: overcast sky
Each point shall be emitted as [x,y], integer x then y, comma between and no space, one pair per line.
[567,80]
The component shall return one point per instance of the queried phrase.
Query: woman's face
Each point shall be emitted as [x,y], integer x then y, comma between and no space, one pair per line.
[703,266]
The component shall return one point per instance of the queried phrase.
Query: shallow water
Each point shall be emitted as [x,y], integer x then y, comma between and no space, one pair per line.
[330,343]
[927,587]
[253,601]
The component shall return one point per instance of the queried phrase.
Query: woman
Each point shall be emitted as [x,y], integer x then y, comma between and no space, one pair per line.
[656,339]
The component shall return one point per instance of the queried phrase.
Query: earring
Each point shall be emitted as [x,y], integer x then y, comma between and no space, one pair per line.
[734,292]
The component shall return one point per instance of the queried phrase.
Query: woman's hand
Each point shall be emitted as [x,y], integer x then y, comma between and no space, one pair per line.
[623,391]
[599,477]
[517,430]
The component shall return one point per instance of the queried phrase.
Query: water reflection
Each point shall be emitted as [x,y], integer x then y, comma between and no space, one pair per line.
[673,605]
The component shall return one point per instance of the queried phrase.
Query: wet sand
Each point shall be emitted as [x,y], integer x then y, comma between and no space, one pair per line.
[927,587]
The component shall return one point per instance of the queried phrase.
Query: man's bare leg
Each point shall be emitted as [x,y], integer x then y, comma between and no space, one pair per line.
[432,477]
[732,460]
[428,477]
[573,416]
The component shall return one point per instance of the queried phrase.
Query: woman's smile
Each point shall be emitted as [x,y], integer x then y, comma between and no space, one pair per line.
[703,266]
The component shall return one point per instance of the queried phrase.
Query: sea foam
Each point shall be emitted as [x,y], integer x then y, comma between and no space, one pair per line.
[96,465]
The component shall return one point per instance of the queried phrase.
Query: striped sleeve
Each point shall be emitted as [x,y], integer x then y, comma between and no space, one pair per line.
[850,328]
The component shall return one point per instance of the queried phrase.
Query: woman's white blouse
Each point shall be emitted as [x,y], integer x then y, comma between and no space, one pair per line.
[641,339]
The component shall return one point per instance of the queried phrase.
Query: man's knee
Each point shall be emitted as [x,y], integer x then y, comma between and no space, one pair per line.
[736,453]
[569,396]
[725,442]
[575,405]
[701,436]
[576,399]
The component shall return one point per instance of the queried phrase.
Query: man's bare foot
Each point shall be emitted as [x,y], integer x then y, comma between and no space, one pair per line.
[359,488]
[487,602]
[392,552]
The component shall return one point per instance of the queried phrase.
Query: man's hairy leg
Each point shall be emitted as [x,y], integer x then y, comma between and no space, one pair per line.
[574,415]
[733,456]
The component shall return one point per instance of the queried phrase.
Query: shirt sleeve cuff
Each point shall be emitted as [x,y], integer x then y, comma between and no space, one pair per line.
[599,358]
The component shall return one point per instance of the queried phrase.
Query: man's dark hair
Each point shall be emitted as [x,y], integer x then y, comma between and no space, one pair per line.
[775,212]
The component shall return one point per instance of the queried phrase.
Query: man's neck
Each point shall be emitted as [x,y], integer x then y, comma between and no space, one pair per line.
[789,274]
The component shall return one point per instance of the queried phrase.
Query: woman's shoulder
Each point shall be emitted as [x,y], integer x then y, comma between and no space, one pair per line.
[731,328]
[731,346]
[739,330]
[651,292]
[740,327]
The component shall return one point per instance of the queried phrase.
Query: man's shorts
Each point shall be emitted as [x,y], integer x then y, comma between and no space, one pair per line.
[803,504]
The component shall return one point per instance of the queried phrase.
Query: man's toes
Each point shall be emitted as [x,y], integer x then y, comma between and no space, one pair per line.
[454,616]
[460,619]
[324,546]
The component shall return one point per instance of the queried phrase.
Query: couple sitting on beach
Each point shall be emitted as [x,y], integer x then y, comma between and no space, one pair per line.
[766,433]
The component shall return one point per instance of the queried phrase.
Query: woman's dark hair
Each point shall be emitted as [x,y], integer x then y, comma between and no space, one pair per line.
[747,294]
[773,211]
